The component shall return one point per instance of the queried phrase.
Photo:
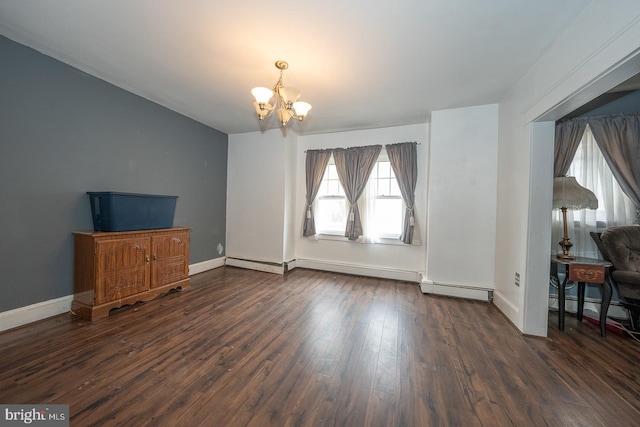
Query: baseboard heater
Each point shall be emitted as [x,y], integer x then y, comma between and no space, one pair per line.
[457,291]
[266,266]
[358,270]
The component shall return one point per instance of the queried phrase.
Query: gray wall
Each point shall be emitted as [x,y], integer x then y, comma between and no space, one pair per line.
[609,104]
[63,133]
[629,102]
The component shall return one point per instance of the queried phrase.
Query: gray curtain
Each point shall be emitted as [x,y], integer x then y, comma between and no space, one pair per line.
[404,162]
[567,139]
[316,164]
[619,140]
[354,165]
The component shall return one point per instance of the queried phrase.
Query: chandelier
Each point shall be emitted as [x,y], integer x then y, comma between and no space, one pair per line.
[286,102]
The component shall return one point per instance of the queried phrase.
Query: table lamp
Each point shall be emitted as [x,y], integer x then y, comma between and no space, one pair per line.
[568,194]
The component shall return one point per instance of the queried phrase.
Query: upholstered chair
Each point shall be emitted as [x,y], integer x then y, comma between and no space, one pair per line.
[622,246]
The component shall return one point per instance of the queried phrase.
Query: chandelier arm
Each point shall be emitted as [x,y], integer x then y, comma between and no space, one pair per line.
[280,104]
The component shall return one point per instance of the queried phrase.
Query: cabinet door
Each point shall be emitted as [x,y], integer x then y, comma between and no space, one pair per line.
[123,268]
[170,258]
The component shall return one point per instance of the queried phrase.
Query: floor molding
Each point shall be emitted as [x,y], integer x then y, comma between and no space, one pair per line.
[32,313]
[201,267]
[509,309]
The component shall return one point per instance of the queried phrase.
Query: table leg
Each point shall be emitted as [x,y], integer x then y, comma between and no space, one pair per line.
[604,306]
[561,290]
[580,300]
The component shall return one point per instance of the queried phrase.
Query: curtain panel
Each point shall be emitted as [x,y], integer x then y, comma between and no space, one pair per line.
[614,208]
[567,138]
[315,165]
[354,166]
[404,162]
[618,137]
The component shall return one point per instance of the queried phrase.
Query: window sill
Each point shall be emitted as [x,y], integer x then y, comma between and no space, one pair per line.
[340,238]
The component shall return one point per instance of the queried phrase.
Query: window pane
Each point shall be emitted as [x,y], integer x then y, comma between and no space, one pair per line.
[395,190]
[331,216]
[331,172]
[383,187]
[334,188]
[373,183]
[389,216]
[384,169]
[323,188]
[374,172]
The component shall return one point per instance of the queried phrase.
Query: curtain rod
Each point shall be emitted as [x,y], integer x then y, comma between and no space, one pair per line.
[417,143]
[599,117]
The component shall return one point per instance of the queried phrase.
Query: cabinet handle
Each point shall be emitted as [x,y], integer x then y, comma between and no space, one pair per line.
[155,258]
[147,258]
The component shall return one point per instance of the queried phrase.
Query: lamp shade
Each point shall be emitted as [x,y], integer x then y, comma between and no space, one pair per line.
[567,193]
[301,108]
[289,94]
[262,94]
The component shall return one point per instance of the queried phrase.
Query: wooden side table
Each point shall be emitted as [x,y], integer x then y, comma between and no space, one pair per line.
[583,270]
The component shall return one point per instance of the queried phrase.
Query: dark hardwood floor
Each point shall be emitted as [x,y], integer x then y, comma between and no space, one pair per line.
[318,349]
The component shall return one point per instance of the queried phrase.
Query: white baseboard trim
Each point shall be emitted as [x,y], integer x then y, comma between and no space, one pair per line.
[31,313]
[359,270]
[203,266]
[507,308]
[255,265]
[457,291]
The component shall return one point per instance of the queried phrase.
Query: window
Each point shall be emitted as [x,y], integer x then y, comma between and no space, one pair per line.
[614,208]
[388,207]
[592,171]
[331,203]
[381,205]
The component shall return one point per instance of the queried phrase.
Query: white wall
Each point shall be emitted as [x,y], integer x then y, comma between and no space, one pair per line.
[256,197]
[462,196]
[404,258]
[289,250]
[599,50]
[595,53]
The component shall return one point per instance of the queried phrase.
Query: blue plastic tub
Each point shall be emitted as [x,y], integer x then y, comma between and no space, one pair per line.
[112,211]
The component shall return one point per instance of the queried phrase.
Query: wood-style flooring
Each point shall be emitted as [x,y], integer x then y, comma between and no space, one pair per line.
[310,348]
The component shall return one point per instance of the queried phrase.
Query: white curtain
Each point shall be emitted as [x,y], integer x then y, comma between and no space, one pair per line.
[367,204]
[614,208]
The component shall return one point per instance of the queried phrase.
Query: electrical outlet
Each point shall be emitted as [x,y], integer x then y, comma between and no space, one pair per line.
[517,279]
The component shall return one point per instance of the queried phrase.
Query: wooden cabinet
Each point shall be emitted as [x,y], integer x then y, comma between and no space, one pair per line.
[113,269]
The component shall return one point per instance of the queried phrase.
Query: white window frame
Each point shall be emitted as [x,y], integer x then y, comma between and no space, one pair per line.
[373,191]
[338,235]
[324,195]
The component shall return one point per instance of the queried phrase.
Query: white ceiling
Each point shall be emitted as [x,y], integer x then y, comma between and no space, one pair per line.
[360,63]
